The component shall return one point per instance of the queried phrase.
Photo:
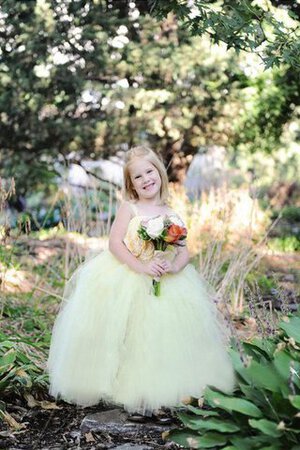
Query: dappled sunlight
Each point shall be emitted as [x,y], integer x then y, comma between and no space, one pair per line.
[15,280]
[87,243]
[223,214]
[226,237]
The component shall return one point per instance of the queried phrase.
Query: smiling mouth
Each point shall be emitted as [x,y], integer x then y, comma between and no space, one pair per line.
[148,186]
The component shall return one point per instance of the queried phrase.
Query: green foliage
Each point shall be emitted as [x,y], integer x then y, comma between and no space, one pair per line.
[290,213]
[243,25]
[284,244]
[21,365]
[103,80]
[263,412]
[24,344]
[265,284]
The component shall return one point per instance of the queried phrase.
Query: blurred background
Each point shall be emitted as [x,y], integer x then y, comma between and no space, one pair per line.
[214,91]
[83,81]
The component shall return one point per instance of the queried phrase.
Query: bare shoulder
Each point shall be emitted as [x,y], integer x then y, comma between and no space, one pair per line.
[171,212]
[120,224]
[125,210]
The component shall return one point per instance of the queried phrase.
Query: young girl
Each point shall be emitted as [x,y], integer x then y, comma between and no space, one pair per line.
[113,339]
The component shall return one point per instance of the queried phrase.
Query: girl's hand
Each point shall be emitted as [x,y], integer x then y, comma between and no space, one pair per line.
[155,268]
[168,266]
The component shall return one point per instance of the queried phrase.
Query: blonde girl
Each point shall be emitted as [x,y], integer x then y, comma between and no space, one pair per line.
[114,340]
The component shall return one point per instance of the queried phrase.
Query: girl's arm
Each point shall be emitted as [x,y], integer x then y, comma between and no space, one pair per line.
[119,249]
[181,260]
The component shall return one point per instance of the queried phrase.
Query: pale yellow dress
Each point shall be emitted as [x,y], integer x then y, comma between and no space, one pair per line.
[113,340]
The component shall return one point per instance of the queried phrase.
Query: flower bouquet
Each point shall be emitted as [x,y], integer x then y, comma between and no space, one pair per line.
[162,231]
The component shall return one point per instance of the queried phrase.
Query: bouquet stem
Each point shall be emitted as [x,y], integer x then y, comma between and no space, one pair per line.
[156,287]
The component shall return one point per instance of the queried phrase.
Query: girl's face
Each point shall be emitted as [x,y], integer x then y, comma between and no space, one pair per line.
[145,179]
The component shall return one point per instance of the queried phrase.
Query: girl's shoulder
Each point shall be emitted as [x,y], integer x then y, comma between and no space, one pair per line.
[135,210]
[126,210]
[131,205]
[172,213]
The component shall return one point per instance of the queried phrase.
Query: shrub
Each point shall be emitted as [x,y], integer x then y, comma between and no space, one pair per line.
[291,213]
[21,365]
[284,244]
[264,410]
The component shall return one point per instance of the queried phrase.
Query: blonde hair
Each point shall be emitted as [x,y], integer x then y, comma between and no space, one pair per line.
[141,151]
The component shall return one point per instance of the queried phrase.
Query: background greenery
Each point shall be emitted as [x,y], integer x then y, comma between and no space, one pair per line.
[86,79]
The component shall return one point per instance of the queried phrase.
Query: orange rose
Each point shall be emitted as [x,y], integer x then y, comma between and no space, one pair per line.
[174,233]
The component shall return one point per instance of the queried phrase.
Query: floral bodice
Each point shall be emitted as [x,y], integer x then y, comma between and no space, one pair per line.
[141,249]
[144,250]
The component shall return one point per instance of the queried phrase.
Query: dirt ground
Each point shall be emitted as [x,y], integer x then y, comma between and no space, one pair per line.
[59,429]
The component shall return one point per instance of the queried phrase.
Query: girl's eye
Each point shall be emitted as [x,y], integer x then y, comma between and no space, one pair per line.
[138,176]
[149,171]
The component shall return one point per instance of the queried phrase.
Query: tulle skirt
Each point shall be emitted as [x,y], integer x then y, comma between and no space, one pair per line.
[114,341]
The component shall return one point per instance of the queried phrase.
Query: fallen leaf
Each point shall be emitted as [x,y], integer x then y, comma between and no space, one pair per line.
[200,402]
[186,400]
[44,404]
[31,401]
[89,437]
[11,421]
[281,425]
[49,405]
[165,434]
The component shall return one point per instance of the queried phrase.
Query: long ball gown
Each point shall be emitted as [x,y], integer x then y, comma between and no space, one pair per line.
[114,341]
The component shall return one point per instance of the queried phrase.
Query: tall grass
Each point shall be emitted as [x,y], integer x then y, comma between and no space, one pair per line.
[226,235]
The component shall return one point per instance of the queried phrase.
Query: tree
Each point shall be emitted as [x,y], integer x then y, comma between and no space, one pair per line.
[83,79]
[90,78]
[268,28]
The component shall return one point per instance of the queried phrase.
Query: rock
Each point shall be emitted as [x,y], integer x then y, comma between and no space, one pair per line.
[132,447]
[113,420]
[289,277]
[114,423]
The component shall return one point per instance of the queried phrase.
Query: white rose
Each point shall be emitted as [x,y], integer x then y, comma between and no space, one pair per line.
[176,220]
[155,227]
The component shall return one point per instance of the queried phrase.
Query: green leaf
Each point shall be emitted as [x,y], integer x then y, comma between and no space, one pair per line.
[253,442]
[271,447]
[208,440]
[215,424]
[218,400]
[284,364]
[266,426]
[292,328]
[181,437]
[201,412]
[224,426]
[265,348]
[2,406]
[7,359]
[259,374]
[265,376]
[193,440]
[23,358]
[295,400]
[5,344]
